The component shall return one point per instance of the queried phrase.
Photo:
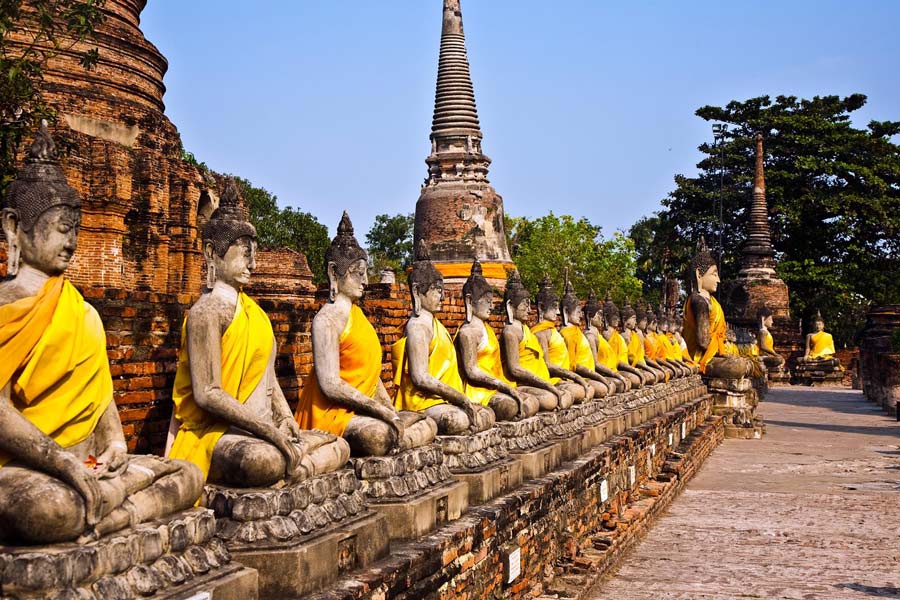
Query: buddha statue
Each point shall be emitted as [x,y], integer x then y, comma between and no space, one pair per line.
[605,360]
[704,322]
[646,329]
[233,420]
[65,473]
[581,355]
[619,346]
[344,394]
[669,343]
[555,350]
[426,372]
[678,334]
[764,341]
[635,345]
[523,355]
[820,347]
[656,344]
[479,357]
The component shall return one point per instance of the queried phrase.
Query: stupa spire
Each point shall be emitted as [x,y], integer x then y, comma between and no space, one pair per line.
[757,252]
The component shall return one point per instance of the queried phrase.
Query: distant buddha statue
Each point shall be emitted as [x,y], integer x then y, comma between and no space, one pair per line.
[522,353]
[646,329]
[426,372]
[479,357]
[619,346]
[555,350]
[605,360]
[656,344]
[764,341]
[704,322]
[820,346]
[64,468]
[635,345]
[344,394]
[234,421]
[669,343]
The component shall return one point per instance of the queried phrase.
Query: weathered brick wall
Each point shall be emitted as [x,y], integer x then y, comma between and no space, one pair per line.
[879,364]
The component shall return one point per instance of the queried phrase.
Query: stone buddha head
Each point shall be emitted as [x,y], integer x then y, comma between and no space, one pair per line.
[593,313]
[572,313]
[516,299]
[704,271]
[663,320]
[611,312]
[426,284]
[42,214]
[547,301]
[818,322]
[765,317]
[642,315]
[629,315]
[229,241]
[652,320]
[477,294]
[730,334]
[346,264]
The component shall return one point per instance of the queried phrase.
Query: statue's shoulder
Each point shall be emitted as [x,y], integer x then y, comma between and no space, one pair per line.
[332,314]
[11,291]
[210,308]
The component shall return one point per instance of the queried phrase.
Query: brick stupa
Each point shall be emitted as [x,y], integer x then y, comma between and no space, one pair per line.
[459,215]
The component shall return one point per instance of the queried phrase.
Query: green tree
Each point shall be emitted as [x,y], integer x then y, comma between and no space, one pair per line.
[390,243]
[286,228]
[551,244]
[32,32]
[834,199]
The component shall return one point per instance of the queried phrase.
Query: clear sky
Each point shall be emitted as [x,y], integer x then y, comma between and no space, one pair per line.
[587,106]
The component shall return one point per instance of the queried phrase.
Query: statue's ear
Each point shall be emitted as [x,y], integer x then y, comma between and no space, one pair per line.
[564,317]
[10,219]
[467,300]
[209,251]
[416,303]
[510,312]
[331,270]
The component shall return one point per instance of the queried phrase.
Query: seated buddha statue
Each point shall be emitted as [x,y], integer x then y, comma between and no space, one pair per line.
[605,360]
[635,345]
[656,344]
[233,420]
[480,364]
[344,394]
[426,372]
[678,334]
[820,347]
[65,472]
[523,355]
[669,343]
[764,340]
[704,322]
[646,329]
[619,346]
[556,352]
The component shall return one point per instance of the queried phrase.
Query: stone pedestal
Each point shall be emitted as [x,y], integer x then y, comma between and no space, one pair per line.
[824,373]
[530,441]
[736,400]
[779,376]
[482,462]
[300,537]
[413,490]
[175,557]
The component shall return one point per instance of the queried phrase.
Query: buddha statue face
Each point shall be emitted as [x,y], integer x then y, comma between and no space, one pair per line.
[709,280]
[631,322]
[550,312]
[433,298]
[521,310]
[614,320]
[352,283]
[653,324]
[643,321]
[51,243]
[767,321]
[819,325]
[483,306]
[235,267]
[575,315]
[597,320]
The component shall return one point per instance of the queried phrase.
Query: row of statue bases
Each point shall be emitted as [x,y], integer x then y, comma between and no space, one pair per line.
[66,475]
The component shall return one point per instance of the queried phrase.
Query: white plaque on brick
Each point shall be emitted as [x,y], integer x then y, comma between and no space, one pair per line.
[671,439]
[683,430]
[513,565]
[632,474]
[652,449]
[604,491]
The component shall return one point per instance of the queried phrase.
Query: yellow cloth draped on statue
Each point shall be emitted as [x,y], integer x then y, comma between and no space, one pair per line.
[531,356]
[557,352]
[488,361]
[53,350]
[359,353]
[606,356]
[635,349]
[579,347]
[247,345]
[673,348]
[768,343]
[822,346]
[751,353]
[731,349]
[619,346]
[441,364]
[717,329]
[652,349]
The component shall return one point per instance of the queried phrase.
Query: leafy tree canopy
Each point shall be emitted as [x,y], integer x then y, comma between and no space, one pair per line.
[390,243]
[286,228]
[834,200]
[551,244]
[32,32]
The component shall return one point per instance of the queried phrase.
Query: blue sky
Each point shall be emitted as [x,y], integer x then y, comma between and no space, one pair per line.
[587,106]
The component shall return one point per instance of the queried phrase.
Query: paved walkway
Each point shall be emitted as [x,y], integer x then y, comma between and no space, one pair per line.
[810,511]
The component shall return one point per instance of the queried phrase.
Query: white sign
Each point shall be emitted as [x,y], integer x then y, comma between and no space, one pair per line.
[683,430]
[200,596]
[652,449]
[632,474]
[604,491]
[671,439]
[513,565]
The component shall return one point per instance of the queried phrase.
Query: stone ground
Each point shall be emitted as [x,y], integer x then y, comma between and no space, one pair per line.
[810,511]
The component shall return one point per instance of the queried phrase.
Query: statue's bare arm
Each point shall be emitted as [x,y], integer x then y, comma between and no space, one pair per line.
[281,411]
[326,329]
[509,348]
[418,339]
[467,341]
[701,319]
[808,345]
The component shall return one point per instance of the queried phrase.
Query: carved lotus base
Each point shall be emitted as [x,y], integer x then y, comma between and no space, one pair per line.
[473,453]
[175,557]
[403,475]
[527,434]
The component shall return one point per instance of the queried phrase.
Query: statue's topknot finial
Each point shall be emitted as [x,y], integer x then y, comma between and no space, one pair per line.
[344,249]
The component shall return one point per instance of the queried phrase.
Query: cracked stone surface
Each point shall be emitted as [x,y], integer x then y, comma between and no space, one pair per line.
[810,511]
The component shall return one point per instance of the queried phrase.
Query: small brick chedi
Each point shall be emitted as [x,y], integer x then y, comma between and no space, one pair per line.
[459,215]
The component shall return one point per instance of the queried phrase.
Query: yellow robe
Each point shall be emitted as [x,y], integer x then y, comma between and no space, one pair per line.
[652,349]
[488,361]
[246,348]
[531,356]
[673,348]
[619,346]
[360,366]
[53,350]
[635,349]
[606,356]
[716,334]
[822,346]
[557,352]
[768,343]
[579,347]
[442,365]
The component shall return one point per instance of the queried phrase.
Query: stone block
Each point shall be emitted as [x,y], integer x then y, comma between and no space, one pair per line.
[494,481]
[413,517]
[474,452]
[539,461]
[730,385]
